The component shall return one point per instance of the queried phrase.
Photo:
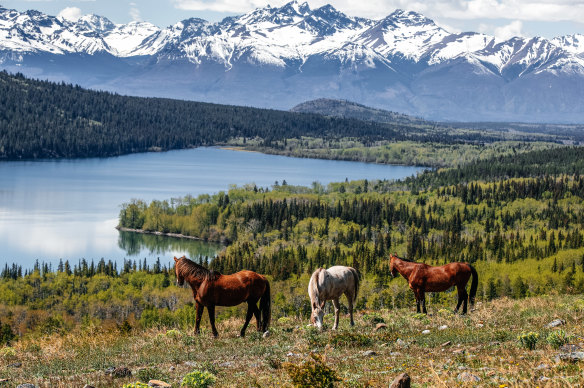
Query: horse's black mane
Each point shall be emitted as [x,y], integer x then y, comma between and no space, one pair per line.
[402,259]
[192,268]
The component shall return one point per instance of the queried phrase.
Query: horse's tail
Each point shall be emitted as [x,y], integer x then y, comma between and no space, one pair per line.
[473,285]
[356,277]
[266,308]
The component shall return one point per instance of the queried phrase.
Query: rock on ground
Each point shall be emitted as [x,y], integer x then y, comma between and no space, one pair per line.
[468,377]
[122,372]
[401,381]
[369,353]
[380,326]
[26,385]
[555,323]
[401,343]
[572,356]
[158,383]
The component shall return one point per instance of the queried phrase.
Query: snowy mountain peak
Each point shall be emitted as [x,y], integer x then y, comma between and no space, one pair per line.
[571,43]
[295,7]
[95,23]
[400,18]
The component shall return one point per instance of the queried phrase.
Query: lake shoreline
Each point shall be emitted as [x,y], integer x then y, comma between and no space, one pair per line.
[169,234]
[157,233]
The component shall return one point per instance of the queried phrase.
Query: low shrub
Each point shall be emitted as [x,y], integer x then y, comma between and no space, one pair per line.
[284,320]
[7,353]
[313,373]
[6,334]
[151,373]
[137,384]
[198,379]
[528,340]
[558,338]
[373,318]
[349,339]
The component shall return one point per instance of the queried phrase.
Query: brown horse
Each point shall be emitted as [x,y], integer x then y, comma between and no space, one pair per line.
[424,278]
[212,289]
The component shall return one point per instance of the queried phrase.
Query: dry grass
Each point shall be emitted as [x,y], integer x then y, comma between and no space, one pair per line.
[490,352]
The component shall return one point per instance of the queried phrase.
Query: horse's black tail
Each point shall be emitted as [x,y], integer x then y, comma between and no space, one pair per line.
[473,285]
[266,308]
[356,276]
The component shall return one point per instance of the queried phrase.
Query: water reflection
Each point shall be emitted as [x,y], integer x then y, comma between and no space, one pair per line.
[67,209]
[138,244]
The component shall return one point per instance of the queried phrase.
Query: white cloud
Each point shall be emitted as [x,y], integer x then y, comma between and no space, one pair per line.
[70,13]
[135,13]
[509,31]
[532,10]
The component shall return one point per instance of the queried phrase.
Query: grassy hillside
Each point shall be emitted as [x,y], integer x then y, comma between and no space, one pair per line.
[483,344]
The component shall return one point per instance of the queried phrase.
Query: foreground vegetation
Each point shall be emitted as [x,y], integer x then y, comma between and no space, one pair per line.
[484,345]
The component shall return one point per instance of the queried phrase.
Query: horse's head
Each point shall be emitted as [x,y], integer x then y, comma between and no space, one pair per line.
[180,280]
[317,314]
[392,267]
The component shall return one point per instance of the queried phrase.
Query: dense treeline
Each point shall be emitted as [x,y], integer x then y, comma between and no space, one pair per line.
[564,160]
[40,119]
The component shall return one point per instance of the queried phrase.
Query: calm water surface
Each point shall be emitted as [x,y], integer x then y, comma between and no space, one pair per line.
[68,209]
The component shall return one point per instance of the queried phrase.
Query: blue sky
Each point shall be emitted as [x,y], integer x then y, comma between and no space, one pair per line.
[504,18]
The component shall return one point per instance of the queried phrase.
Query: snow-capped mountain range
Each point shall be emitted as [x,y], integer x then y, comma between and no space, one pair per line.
[278,57]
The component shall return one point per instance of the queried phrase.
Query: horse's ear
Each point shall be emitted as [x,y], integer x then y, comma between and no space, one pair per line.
[175,259]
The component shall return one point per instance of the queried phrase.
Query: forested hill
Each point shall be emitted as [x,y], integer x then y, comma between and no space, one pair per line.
[348,109]
[40,119]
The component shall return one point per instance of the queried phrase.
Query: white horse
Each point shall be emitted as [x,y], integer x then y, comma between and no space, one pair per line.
[331,284]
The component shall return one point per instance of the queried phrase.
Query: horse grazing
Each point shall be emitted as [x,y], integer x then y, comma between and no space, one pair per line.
[212,289]
[424,278]
[331,284]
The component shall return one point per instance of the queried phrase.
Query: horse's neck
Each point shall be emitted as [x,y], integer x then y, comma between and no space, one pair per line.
[195,283]
[404,268]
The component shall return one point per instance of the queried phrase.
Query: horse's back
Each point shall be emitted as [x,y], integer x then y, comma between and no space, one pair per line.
[441,278]
[337,280]
[241,286]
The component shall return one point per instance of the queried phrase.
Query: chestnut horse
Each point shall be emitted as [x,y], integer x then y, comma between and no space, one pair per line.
[424,278]
[212,289]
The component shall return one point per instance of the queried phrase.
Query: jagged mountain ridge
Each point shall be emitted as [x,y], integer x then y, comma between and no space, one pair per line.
[278,57]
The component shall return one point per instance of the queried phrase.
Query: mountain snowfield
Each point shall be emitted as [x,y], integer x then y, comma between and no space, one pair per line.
[279,57]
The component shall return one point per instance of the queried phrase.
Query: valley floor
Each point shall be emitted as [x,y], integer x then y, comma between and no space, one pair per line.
[438,350]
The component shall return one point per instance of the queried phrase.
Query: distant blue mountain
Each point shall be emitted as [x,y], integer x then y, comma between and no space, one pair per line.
[280,57]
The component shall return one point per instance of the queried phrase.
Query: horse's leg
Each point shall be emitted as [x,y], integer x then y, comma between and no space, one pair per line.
[257,314]
[211,310]
[337,312]
[423,298]
[464,300]
[247,317]
[460,296]
[200,309]
[417,295]
[350,301]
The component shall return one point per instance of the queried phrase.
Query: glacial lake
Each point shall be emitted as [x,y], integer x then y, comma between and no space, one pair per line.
[68,209]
